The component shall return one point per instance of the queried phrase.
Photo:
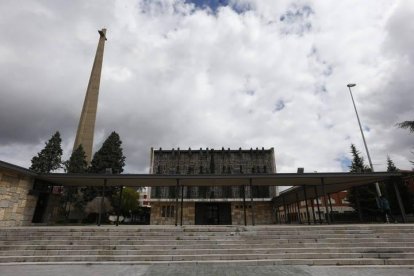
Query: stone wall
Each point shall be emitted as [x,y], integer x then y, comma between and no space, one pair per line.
[16,206]
[263,213]
[161,216]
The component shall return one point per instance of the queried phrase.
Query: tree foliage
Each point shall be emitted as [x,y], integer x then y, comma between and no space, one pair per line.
[77,162]
[130,200]
[362,198]
[50,157]
[110,155]
[407,125]
[407,196]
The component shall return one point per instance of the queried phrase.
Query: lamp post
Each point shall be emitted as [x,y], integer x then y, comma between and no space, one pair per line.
[363,137]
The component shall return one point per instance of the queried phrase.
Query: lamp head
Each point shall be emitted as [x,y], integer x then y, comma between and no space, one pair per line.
[351,85]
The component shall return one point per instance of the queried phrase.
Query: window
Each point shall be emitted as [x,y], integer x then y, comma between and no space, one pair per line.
[167,211]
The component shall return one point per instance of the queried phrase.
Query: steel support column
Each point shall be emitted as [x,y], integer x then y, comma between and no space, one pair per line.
[298,207]
[400,203]
[177,191]
[330,205]
[251,200]
[102,203]
[119,204]
[284,209]
[317,204]
[306,203]
[182,205]
[325,202]
[244,205]
[313,211]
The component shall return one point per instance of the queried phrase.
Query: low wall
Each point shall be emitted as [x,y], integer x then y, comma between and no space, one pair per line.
[16,205]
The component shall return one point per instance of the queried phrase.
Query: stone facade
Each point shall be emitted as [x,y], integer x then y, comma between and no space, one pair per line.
[263,213]
[212,162]
[16,205]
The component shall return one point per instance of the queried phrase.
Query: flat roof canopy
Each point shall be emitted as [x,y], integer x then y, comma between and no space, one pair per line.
[335,181]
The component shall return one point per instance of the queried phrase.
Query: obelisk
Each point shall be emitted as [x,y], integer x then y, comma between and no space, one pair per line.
[86,126]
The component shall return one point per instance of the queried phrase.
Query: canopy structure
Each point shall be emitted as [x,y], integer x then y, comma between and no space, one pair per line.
[333,181]
[305,185]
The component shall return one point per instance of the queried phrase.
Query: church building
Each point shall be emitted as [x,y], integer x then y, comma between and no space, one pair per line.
[212,205]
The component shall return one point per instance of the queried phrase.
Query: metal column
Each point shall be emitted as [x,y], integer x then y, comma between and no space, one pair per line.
[330,205]
[119,204]
[306,204]
[400,204]
[102,203]
[317,204]
[325,202]
[182,204]
[298,207]
[251,200]
[177,191]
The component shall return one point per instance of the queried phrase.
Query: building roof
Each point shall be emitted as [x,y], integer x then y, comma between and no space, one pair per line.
[16,169]
[335,181]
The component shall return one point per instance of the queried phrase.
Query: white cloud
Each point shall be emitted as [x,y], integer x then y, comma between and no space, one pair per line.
[176,76]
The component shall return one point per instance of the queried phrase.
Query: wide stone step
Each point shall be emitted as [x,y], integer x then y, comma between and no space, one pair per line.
[195,257]
[375,252]
[244,243]
[97,236]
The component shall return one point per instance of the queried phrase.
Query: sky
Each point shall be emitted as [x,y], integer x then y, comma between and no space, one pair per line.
[212,74]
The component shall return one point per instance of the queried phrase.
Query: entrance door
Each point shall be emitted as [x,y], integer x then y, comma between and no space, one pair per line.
[212,213]
[40,208]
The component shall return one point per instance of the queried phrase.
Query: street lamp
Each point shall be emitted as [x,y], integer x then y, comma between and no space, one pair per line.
[363,137]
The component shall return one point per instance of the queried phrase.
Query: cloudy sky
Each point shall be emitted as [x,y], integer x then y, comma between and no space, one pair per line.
[236,73]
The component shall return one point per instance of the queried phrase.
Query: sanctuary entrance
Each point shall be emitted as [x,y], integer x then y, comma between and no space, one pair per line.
[214,213]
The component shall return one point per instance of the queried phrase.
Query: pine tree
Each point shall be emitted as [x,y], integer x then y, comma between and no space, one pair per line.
[407,124]
[77,161]
[362,198]
[76,164]
[407,196]
[109,156]
[49,158]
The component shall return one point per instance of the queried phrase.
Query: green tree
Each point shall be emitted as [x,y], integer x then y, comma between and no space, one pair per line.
[109,156]
[130,200]
[407,124]
[410,126]
[77,161]
[49,158]
[76,164]
[362,198]
[407,196]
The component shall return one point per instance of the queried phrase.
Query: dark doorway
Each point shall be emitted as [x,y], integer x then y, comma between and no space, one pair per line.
[40,208]
[212,213]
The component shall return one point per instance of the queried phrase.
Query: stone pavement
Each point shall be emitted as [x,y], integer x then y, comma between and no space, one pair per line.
[200,270]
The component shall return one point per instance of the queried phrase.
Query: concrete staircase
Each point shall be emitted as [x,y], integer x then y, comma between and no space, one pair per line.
[385,244]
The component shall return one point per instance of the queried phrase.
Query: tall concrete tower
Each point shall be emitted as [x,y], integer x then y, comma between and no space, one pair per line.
[86,126]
